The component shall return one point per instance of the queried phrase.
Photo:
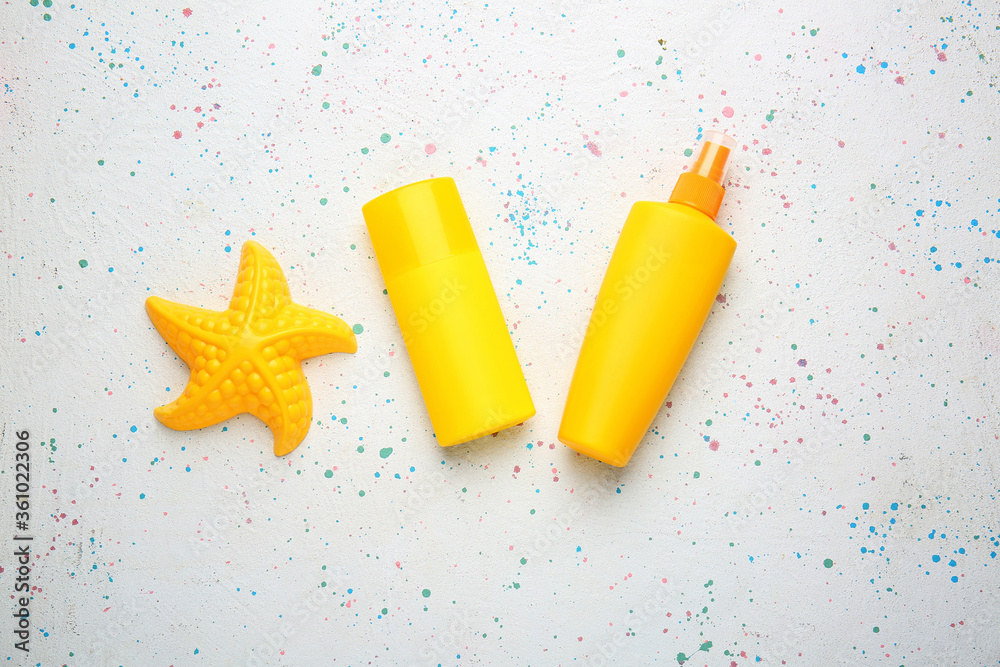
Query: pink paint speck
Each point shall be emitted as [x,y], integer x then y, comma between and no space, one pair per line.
[714,445]
[624,93]
[177,134]
[592,147]
[900,80]
[758,57]
[430,149]
[942,57]
[187,12]
[728,112]
[840,143]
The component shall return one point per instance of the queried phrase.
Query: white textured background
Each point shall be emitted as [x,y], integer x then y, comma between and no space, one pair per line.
[821,488]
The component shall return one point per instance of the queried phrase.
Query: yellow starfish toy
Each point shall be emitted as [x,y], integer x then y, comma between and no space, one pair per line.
[246,358]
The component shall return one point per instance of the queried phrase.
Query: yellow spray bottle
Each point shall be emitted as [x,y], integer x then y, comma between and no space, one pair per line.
[664,274]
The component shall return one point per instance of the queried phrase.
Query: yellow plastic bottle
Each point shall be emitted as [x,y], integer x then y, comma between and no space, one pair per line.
[446,307]
[664,274]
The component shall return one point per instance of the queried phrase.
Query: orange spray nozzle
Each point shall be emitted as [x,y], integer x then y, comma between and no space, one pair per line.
[711,162]
[701,188]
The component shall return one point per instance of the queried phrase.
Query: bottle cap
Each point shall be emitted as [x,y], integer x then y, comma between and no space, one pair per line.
[418,224]
[701,188]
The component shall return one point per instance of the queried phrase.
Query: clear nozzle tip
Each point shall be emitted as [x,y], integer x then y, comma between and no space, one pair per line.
[715,149]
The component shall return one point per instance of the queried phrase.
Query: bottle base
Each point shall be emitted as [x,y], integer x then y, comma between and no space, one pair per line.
[616,459]
[461,439]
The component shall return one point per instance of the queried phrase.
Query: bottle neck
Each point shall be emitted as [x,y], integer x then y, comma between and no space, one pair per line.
[698,192]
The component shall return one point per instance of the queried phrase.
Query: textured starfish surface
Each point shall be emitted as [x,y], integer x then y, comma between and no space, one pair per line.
[247,357]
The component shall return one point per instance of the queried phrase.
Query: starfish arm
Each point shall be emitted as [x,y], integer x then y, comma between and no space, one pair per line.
[261,289]
[304,332]
[188,330]
[285,403]
[213,394]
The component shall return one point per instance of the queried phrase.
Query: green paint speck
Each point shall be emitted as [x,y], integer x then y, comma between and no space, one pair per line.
[875,629]
[357,328]
[426,592]
[385,138]
[524,561]
[867,437]
[326,105]
[364,151]
[317,70]
[322,202]
[757,462]
[697,474]
[828,563]
[100,163]
[621,53]
[83,263]
[385,452]
[687,153]
[361,493]
[328,474]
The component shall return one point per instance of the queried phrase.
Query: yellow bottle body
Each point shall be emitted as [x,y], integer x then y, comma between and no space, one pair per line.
[448,311]
[461,352]
[664,275]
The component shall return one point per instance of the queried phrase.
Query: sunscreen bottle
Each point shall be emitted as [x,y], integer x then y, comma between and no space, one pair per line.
[664,274]
[449,314]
